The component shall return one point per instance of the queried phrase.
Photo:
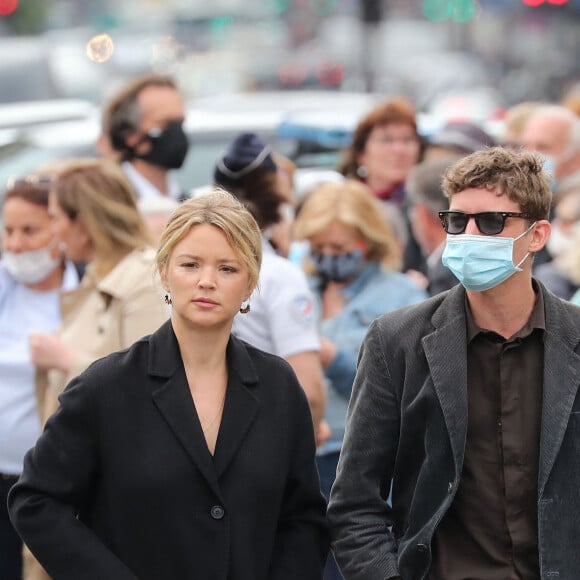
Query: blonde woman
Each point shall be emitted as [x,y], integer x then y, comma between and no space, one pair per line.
[353,258]
[96,220]
[191,454]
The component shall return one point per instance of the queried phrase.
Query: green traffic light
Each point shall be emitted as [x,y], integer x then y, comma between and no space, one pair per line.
[457,10]
[279,6]
[435,10]
[463,10]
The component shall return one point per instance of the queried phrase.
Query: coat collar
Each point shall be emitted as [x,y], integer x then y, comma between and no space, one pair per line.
[116,283]
[173,399]
[446,352]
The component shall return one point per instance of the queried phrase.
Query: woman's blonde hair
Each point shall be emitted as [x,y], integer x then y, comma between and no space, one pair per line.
[97,192]
[352,204]
[222,210]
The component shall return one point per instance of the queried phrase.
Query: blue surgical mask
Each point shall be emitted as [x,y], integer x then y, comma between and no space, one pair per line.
[481,262]
[338,268]
[549,166]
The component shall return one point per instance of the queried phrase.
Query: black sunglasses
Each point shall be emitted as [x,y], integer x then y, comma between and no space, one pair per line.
[488,222]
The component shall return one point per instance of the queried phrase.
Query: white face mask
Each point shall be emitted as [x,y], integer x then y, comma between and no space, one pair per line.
[30,267]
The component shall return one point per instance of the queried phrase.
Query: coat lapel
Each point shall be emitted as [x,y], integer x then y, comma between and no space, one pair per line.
[446,353]
[175,403]
[241,406]
[561,383]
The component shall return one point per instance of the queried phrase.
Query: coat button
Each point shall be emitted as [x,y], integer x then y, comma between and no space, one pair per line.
[217,512]
[450,487]
[422,548]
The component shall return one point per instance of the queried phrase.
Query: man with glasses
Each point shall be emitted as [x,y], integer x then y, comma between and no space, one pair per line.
[467,404]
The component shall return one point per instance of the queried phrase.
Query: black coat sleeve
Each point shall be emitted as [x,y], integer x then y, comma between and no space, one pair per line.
[54,488]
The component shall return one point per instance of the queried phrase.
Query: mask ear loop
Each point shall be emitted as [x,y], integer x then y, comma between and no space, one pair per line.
[518,265]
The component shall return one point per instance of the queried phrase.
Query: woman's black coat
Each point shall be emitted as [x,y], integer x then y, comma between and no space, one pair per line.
[121,484]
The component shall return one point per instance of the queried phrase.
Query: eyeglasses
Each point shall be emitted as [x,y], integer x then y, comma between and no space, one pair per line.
[488,222]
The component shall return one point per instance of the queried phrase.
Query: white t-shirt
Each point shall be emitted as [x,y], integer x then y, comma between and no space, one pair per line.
[144,188]
[22,310]
[281,320]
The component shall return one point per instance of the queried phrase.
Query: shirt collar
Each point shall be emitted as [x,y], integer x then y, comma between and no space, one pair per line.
[144,188]
[537,317]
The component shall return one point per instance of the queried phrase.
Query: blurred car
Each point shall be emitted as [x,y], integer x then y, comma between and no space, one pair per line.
[34,113]
[211,125]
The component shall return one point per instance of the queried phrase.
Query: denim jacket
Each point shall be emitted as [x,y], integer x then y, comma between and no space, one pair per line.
[374,292]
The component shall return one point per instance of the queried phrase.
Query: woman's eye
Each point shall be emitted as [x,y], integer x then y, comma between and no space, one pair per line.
[189,265]
[228,269]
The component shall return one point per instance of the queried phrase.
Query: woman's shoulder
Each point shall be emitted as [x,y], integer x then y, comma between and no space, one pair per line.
[396,283]
[134,273]
[7,281]
[121,362]
[261,367]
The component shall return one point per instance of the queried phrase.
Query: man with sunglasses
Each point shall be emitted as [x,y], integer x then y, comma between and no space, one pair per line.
[467,405]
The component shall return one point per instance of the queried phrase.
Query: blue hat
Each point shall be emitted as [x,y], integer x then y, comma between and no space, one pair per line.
[247,153]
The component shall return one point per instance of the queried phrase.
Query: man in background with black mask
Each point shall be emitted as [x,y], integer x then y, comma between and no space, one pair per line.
[143,130]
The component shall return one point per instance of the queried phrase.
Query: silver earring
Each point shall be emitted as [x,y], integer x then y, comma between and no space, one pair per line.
[168,298]
[245,309]
[362,171]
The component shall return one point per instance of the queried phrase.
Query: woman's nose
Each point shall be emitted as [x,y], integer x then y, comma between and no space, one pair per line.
[207,278]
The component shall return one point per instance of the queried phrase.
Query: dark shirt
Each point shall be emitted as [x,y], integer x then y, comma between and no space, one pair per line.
[490,530]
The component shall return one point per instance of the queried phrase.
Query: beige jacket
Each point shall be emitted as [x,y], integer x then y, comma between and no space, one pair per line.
[100,317]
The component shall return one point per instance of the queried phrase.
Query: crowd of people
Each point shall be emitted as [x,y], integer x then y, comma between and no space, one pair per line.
[376,377]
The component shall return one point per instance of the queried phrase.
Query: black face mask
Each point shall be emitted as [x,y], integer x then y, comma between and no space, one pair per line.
[339,268]
[168,147]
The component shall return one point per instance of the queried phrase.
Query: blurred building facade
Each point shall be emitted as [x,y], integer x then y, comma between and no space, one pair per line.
[226,46]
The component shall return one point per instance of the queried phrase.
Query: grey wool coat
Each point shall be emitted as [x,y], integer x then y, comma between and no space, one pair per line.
[407,423]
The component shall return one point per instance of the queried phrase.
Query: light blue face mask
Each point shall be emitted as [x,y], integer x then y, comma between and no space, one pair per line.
[549,166]
[481,262]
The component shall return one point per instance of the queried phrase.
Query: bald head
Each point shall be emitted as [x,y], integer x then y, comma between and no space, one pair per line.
[554,131]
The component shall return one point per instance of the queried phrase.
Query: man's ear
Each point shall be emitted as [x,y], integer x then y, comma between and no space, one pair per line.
[540,235]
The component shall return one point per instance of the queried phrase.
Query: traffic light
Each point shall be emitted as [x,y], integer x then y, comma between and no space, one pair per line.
[371,11]
[8,7]
[535,3]
[457,10]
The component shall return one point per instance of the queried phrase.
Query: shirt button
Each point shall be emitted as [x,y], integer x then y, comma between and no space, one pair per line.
[217,512]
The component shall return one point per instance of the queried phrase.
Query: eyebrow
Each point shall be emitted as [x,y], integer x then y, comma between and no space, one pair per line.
[221,260]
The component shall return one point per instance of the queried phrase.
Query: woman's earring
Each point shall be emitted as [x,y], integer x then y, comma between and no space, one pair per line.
[245,309]
[168,298]
[362,171]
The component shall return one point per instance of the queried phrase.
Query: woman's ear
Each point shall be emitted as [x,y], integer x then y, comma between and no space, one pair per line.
[162,270]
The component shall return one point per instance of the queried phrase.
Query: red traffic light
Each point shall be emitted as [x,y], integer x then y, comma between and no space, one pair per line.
[8,7]
[534,3]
